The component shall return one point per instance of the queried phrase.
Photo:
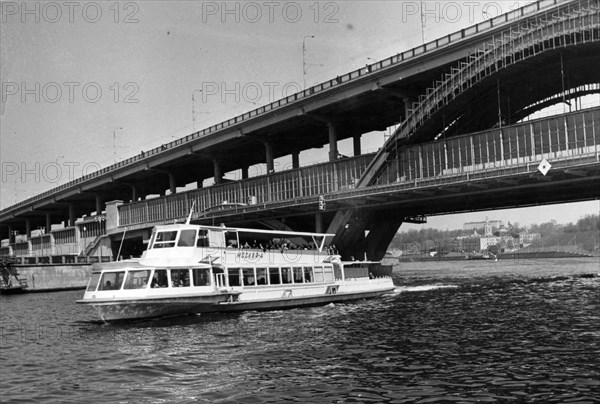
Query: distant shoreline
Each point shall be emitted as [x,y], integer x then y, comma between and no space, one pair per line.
[505,256]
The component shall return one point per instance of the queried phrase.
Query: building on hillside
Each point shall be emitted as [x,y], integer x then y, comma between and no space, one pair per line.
[526,239]
[485,242]
[486,228]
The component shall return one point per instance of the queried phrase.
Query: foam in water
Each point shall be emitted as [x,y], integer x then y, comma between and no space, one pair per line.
[423,288]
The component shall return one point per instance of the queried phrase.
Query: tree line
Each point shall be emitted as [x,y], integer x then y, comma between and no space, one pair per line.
[428,236]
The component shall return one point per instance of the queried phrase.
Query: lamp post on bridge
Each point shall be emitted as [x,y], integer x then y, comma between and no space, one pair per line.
[304,58]
[115,142]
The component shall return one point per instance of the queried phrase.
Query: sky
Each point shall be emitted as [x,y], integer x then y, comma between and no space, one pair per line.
[85,84]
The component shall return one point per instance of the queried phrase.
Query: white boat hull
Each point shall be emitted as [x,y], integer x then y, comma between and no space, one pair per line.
[127,309]
[132,309]
[293,302]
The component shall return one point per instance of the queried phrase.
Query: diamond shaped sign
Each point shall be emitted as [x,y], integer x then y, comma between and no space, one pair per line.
[544,167]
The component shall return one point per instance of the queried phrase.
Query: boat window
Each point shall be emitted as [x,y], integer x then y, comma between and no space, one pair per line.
[217,238]
[111,280]
[137,279]
[180,278]
[308,278]
[201,276]
[187,238]
[297,275]
[274,278]
[202,240]
[328,273]
[159,280]
[286,275]
[249,278]
[165,239]
[318,274]
[234,277]
[93,281]
[261,276]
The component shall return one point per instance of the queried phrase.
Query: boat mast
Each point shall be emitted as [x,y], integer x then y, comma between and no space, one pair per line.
[190,214]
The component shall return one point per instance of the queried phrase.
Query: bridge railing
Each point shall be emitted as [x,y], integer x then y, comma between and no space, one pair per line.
[565,139]
[476,29]
[313,180]
[530,142]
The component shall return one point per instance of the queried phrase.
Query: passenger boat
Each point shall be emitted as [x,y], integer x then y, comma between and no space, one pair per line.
[190,268]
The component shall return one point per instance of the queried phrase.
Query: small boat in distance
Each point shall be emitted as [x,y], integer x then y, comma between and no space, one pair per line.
[190,268]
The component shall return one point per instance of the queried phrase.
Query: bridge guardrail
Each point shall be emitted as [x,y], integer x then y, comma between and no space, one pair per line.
[484,26]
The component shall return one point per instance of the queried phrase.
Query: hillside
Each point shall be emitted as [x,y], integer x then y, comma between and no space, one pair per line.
[578,242]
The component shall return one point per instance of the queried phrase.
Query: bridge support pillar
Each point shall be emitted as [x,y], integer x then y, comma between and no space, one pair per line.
[98,204]
[333,150]
[218,175]
[172,185]
[318,222]
[356,144]
[133,193]
[28,228]
[48,224]
[350,228]
[71,215]
[379,238]
[112,214]
[269,158]
[11,236]
[295,160]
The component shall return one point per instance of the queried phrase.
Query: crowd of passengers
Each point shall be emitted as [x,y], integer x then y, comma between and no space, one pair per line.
[279,245]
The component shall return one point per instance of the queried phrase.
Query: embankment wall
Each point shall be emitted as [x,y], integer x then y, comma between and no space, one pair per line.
[54,277]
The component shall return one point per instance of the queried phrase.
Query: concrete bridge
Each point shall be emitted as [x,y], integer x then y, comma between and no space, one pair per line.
[458,145]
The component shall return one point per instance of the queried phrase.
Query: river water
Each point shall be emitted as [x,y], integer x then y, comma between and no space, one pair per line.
[476,331]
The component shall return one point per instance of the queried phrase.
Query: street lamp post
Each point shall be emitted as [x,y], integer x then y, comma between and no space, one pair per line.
[115,142]
[304,58]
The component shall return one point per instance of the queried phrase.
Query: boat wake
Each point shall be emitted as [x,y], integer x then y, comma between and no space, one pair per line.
[422,288]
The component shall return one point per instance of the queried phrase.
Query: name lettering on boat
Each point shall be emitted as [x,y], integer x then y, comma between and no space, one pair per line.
[250,254]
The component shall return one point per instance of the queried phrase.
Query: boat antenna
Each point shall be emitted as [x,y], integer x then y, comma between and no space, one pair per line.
[190,214]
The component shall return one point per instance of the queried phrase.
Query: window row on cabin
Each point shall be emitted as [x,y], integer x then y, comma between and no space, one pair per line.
[159,278]
[138,279]
[278,276]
